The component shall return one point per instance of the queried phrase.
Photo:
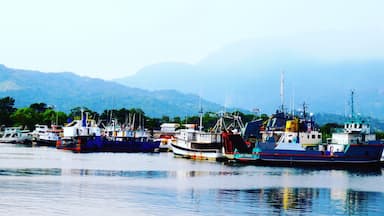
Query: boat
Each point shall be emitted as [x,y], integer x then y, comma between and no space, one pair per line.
[130,141]
[167,136]
[86,136]
[356,130]
[292,153]
[45,136]
[197,144]
[118,138]
[81,136]
[16,135]
[354,146]
[266,133]
[194,143]
[166,141]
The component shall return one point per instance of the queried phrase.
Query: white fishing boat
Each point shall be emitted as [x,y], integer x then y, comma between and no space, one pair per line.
[355,131]
[200,145]
[45,136]
[16,135]
[195,144]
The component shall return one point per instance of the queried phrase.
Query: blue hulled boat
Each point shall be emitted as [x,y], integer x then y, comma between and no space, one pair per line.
[130,141]
[294,154]
[126,138]
[81,136]
[355,145]
[85,136]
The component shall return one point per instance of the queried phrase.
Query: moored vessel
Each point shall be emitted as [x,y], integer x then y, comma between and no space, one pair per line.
[354,146]
[81,135]
[16,135]
[45,136]
[198,144]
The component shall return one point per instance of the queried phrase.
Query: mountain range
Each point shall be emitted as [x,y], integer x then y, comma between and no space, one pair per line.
[245,75]
[248,75]
[67,90]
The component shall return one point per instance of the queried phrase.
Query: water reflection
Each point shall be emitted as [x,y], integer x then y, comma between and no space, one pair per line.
[35,181]
[307,200]
[155,174]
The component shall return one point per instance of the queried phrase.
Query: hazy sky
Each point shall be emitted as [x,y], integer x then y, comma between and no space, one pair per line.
[114,38]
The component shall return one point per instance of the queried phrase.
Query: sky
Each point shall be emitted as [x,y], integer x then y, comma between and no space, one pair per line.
[111,39]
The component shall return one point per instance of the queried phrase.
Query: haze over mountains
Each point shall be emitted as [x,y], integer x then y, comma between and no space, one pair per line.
[244,75]
[247,75]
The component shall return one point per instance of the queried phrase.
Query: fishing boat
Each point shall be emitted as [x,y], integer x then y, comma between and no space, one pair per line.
[356,130]
[353,146]
[132,142]
[129,137]
[45,136]
[197,144]
[81,136]
[167,136]
[166,141]
[266,133]
[289,151]
[16,135]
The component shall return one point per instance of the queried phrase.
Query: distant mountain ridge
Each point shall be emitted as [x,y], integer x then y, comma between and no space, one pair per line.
[67,90]
[248,76]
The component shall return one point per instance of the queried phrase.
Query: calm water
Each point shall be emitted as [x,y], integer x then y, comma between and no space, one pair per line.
[46,181]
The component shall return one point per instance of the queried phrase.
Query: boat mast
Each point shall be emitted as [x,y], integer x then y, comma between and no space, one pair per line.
[201,118]
[352,105]
[282,90]
[305,111]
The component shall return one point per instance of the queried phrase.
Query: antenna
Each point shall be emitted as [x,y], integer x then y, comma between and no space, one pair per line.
[293,102]
[282,90]
[305,111]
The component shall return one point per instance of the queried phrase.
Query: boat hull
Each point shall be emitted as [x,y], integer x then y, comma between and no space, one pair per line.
[198,154]
[43,142]
[130,146]
[355,155]
[100,144]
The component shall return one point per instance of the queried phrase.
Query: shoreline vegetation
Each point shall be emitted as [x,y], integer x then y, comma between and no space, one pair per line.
[42,113]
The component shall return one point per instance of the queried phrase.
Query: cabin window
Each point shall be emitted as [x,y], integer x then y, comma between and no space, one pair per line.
[319,136]
[313,136]
[308,136]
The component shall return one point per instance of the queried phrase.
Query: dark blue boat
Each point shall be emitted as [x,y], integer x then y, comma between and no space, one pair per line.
[356,154]
[131,145]
[360,149]
[289,150]
[87,144]
[84,136]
